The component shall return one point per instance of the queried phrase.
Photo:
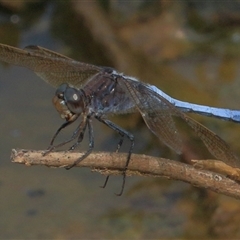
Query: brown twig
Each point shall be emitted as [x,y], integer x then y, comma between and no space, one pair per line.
[141,165]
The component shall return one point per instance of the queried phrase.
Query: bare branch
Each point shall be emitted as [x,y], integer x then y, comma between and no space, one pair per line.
[141,165]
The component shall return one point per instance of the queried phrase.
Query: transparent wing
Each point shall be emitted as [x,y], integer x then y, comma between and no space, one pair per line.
[157,112]
[52,67]
[38,50]
[215,145]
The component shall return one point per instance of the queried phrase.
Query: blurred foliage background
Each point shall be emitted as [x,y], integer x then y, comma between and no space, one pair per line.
[188,49]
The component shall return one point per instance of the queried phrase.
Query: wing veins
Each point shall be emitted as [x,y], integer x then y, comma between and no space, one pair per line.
[215,145]
[52,67]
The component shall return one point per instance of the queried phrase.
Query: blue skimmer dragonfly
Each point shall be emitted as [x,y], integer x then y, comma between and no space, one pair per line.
[89,91]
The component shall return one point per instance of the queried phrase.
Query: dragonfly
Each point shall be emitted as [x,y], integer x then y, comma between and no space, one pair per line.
[86,91]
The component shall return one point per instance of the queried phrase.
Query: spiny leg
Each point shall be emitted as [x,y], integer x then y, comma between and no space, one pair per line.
[80,130]
[120,142]
[83,126]
[74,135]
[65,124]
[91,143]
[122,133]
[117,150]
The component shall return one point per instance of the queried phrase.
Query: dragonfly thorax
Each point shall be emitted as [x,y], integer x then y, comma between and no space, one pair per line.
[69,102]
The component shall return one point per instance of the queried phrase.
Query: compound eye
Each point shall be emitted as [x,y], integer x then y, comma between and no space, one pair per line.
[71,95]
[61,90]
[74,100]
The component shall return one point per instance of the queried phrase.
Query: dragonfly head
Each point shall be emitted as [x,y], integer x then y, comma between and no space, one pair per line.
[69,102]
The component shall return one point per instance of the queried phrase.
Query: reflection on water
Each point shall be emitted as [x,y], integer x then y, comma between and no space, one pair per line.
[190,55]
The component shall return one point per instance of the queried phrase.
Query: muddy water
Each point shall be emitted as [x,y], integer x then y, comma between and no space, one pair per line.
[38,202]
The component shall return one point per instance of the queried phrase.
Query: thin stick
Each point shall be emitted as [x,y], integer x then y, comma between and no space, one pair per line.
[140,165]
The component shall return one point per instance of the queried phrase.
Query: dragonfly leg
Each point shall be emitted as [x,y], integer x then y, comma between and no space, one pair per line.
[120,143]
[81,132]
[117,150]
[88,123]
[122,133]
[51,146]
